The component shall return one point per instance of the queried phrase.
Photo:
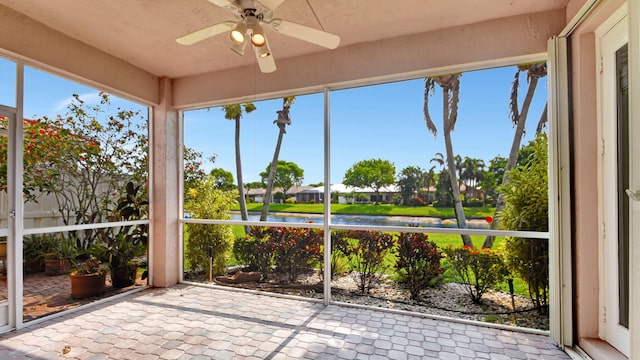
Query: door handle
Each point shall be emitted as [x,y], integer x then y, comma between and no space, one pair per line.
[635,196]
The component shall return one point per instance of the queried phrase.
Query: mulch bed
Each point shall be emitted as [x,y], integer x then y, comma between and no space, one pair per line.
[444,299]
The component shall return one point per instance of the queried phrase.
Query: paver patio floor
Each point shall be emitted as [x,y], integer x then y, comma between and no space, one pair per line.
[45,295]
[191,322]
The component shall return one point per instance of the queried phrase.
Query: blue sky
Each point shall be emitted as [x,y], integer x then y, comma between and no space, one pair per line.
[382,121]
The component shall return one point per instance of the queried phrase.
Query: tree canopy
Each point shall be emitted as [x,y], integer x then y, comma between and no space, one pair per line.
[288,174]
[373,173]
[222,179]
[410,180]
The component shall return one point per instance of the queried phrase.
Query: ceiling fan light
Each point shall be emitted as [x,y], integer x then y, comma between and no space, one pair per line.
[237,35]
[257,36]
[264,51]
[239,48]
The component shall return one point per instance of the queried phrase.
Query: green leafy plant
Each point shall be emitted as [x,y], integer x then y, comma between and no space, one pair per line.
[418,262]
[366,251]
[119,246]
[210,203]
[34,250]
[339,261]
[295,249]
[479,269]
[91,266]
[60,247]
[291,250]
[254,251]
[526,209]
[71,156]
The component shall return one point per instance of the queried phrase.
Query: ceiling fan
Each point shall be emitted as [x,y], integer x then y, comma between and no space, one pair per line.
[251,15]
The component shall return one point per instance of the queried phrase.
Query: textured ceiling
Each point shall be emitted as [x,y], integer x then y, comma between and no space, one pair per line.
[143,32]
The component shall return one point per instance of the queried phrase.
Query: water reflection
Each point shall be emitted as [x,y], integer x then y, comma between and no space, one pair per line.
[375,220]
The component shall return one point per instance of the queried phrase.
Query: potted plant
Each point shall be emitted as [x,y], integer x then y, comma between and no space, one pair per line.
[88,279]
[34,249]
[123,247]
[61,253]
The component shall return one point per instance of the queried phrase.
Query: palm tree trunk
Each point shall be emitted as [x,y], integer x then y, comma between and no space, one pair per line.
[241,199]
[513,157]
[272,175]
[451,168]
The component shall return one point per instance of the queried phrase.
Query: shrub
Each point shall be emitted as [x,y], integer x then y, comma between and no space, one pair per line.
[473,203]
[210,203]
[366,251]
[416,202]
[339,260]
[290,200]
[478,268]
[418,262]
[291,250]
[295,249]
[529,260]
[526,209]
[253,252]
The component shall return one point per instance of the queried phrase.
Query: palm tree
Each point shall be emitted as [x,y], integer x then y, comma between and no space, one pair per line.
[234,112]
[450,85]
[519,118]
[472,172]
[438,158]
[282,122]
[459,167]
[431,175]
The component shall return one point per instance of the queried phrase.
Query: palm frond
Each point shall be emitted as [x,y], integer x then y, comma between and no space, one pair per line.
[513,100]
[453,101]
[429,88]
[543,119]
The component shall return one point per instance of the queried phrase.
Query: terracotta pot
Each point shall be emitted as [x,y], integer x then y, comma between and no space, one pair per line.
[33,265]
[83,286]
[56,266]
[124,276]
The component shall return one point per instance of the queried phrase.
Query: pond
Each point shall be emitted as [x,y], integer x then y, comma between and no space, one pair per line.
[375,220]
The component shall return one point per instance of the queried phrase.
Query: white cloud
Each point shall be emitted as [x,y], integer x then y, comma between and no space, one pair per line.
[89,98]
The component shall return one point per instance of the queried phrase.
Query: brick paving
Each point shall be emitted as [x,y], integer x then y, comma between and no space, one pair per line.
[45,294]
[190,322]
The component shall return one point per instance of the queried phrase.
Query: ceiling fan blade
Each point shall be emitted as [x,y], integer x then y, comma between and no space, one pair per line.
[230,5]
[270,4]
[205,33]
[305,33]
[267,64]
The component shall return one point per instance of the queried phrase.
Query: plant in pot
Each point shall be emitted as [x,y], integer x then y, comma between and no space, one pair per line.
[88,278]
[34,250]
[60,256]
[124,247]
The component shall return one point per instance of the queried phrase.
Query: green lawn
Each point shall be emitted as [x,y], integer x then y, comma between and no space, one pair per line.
[370,209]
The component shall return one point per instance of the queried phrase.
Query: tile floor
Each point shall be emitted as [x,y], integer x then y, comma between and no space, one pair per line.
[190,322]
